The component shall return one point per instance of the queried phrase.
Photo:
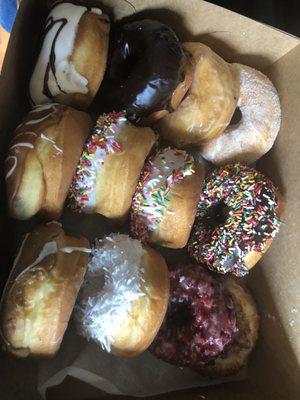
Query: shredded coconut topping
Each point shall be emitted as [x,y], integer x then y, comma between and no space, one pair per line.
[112,283]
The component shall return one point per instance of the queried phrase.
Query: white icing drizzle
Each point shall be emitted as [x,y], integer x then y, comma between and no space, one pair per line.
[25,133]
[47,106]
[44,137]
[60,33]
[11,171]
[112,282]
[70,249]
[36,121]
[48,249]
[22,144]
[54,222]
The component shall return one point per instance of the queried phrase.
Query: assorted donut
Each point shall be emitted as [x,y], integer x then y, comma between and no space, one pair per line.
[157,101]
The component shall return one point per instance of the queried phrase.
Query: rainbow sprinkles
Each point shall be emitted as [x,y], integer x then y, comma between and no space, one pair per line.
[152,197]
[82,194]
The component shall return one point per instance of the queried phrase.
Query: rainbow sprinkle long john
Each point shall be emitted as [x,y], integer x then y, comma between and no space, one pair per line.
[152,197]
[247,204]
[101,143]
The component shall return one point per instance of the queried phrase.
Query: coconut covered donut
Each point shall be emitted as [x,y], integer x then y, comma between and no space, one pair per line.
[165,201]
[209,104]
[236,221]
[255,133]
[124,296]
[109,167]
[72,60]
[211,324]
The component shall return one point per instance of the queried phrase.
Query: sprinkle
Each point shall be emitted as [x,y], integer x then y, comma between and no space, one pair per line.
[152,197]
[99,145]
[251,204]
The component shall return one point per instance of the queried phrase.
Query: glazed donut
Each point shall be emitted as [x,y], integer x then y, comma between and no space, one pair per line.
[209,104]
[236,221]
[41,291]
[211,325]
[148,71]
[255,133]
[72,60]
[165,202]
[109,167]
[124,296]
[42,160]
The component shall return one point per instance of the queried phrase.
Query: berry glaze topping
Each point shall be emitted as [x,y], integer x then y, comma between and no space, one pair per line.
[99,145]
[200,324]
[237,214]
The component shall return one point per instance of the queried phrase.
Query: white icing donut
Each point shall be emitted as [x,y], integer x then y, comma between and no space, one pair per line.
[54,73]
[257,130]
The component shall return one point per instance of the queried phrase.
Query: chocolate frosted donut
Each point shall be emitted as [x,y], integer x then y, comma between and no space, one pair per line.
[146,65]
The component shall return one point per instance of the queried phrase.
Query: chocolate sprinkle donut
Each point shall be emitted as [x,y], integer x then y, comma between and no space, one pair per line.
[201,321]
[237,214]
[145,67]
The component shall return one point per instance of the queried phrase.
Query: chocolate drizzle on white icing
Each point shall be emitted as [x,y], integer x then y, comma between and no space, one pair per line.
[54,73]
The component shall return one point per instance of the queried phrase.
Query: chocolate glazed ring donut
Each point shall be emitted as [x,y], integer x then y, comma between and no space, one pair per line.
[146,67]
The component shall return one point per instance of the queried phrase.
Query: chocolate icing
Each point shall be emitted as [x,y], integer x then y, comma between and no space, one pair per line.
[51,64]
[145,67]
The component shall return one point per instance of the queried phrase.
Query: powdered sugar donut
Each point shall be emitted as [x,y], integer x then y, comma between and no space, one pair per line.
[124,296]
[255,133]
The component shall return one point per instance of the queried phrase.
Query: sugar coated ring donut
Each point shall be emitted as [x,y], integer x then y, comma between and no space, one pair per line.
[201,321]
[237,217]
[209,104]
[255,133]
[146,65]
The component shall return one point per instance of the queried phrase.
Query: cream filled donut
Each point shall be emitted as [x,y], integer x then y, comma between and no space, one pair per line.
[72,60]
[42,159]
[109,167]
[255,133]
[40,293]
[164,205]
[208,105]
[124,297]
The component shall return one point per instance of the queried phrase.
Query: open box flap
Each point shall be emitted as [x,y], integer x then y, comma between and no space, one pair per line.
[275,283]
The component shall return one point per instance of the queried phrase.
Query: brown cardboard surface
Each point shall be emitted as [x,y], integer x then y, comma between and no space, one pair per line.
[274,367]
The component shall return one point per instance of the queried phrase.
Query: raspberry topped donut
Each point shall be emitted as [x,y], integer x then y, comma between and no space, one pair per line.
[148,72]
[237,218]
[210,326]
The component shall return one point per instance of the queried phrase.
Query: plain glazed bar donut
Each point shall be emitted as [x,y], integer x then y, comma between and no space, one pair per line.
[42,159]
[72,60]
[124,296]
[165,202]
[148,72]
[236,221]
[109,167]
[255,133]
[209,104]
[211,324]
[40,294]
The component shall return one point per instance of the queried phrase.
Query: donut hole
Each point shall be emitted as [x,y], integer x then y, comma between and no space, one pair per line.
[179,315]
[216,215]
[236,118]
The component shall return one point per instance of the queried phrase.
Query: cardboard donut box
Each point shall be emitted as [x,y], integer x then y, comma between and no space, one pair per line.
[274,366]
